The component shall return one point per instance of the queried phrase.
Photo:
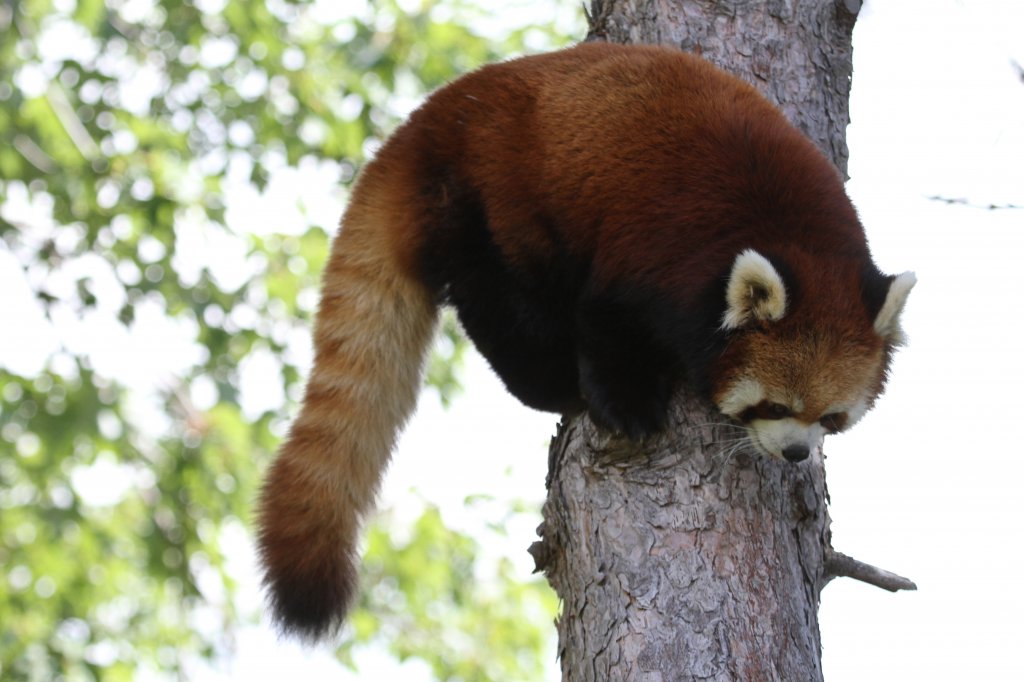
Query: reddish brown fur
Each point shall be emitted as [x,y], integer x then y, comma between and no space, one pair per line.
[593,168]
[715,165]
[372,331]
[619,189]
[826,353]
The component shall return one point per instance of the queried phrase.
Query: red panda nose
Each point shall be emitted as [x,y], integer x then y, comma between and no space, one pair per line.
[796,453]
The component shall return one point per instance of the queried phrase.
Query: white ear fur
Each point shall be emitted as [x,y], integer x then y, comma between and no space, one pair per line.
[887,322]
[755,292]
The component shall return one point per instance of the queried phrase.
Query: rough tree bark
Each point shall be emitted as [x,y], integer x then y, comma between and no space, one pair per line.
[677,559]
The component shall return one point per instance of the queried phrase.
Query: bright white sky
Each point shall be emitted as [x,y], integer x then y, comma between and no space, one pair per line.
[927,485]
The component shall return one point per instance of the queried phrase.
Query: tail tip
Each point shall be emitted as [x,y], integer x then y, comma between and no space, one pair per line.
[310,606]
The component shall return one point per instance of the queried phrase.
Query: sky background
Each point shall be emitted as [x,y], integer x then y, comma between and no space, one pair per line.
[928,485]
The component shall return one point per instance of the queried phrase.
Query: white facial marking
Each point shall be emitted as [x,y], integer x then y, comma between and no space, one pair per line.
[772,436]
[887,322]
[740,396]
[853,413]
[755,291]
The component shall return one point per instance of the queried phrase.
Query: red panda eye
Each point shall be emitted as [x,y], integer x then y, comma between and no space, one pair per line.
[777,411]
[833,422]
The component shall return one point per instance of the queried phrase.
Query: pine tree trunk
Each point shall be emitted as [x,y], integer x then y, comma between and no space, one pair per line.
[674,560]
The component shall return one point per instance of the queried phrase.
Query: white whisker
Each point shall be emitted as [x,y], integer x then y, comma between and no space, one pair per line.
[737,437]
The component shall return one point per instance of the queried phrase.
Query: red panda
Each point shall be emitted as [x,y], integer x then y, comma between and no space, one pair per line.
[609,222]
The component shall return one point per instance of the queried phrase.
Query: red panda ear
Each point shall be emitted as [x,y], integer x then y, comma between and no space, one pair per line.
[754,293]
[887,322]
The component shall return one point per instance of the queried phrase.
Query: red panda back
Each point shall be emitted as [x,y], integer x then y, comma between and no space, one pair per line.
[629,154]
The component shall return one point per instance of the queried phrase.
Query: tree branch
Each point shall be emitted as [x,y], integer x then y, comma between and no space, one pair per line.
[34,154]
[839,565]
[73,125]
[967,202]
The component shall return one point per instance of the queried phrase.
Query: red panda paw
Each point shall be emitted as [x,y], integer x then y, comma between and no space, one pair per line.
[635,421]
[635,409]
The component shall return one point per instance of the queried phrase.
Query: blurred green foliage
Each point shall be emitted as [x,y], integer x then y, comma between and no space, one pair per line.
[463,627]
[133,134]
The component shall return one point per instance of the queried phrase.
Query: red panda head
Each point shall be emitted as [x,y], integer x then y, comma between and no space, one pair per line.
[793,373]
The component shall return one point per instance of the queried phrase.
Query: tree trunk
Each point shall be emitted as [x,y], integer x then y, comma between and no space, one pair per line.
[675,559]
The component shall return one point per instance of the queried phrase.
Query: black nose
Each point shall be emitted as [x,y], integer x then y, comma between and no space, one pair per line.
[796,453]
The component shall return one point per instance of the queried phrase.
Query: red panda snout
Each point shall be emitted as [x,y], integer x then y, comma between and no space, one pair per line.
[796,453]
[788,439]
